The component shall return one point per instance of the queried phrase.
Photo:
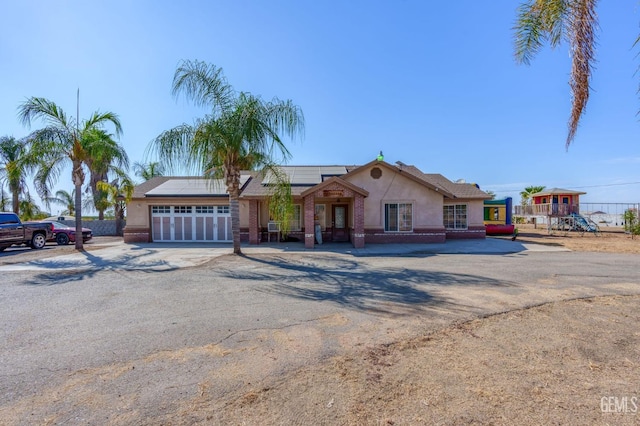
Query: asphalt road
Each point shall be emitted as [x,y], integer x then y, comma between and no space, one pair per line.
[91,343]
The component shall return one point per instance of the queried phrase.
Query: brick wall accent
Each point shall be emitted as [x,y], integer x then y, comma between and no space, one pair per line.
[358,235]
[244,235]
[309,213]
[254,229]
[137,235]
[418,236]
[473,232]
[335,186]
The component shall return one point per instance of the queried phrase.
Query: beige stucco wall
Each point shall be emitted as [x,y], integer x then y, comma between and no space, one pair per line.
[475,215]
[394,187]
[137,214]
[244,213]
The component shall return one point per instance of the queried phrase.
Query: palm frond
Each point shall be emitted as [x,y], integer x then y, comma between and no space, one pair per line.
[538,22]
[97,120]
[46,110]
[172,147]
[203,83]
[583,24]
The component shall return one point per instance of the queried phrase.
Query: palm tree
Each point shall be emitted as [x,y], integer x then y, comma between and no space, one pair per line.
[576,21]
[15,164]
[30,210]
[104,156]
[118,193]
[5,203]
[242,132]
[68,201]
[148,170]
[64,199]
[528,192]
[64,139]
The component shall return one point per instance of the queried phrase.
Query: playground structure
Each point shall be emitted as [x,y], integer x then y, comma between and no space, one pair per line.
[573,222]
[498,216]
[561,210]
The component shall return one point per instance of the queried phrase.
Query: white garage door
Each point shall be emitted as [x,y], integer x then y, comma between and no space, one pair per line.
[191,223]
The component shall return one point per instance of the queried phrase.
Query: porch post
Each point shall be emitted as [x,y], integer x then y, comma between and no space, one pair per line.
[254,226]
[309,212]
[358,225]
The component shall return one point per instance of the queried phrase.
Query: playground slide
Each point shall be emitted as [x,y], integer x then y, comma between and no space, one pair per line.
[582,224]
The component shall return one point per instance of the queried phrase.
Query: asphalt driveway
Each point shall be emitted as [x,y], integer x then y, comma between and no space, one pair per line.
[141,330]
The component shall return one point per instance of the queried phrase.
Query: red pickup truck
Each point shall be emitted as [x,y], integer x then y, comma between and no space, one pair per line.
[13,231]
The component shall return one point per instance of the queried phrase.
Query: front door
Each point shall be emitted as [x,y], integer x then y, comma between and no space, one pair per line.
[554,204]
[340,228]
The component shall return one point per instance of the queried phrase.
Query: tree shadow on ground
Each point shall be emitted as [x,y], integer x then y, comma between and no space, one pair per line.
[62,270]
[354,285]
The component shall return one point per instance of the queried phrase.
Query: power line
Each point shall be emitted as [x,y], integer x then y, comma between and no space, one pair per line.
[577,187]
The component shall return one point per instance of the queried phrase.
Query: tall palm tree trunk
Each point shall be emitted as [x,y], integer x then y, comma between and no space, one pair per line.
[15,200]
[77,175]
[234,205]
[232,179]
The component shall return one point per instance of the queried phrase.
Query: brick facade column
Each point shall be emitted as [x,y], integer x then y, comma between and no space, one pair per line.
[358,225]
[309,213]
[254,226]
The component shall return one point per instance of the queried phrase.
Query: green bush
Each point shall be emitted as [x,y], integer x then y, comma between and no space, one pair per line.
[631,222]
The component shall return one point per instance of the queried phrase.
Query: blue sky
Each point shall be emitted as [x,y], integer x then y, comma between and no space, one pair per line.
[432,84]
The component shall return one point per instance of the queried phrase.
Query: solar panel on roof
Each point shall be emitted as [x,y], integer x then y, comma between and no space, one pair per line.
[193,187]
[306,175]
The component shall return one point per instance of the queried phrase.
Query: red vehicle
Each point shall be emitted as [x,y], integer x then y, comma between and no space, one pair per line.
[63,234]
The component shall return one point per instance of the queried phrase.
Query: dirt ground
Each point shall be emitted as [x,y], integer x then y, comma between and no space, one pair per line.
[609,240]
[566,363]
[572,362]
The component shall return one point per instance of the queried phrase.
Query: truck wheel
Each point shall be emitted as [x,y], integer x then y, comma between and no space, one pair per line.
[38,241]
[62,239]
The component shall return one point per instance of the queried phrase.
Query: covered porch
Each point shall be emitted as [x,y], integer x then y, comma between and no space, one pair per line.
[342,205]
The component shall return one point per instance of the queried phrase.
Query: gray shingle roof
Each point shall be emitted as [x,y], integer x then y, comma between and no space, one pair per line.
[459,190]
[302,178]
[557,191]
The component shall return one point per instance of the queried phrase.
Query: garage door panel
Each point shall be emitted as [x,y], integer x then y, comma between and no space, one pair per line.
[186,223]
[177,228]
[210,228]
[166,229]
[156,225]
[199,228]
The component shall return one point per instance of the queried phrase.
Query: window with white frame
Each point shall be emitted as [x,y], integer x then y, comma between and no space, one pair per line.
[296,218]
[398,217]
[205,209]
[455,216]
[161,209]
